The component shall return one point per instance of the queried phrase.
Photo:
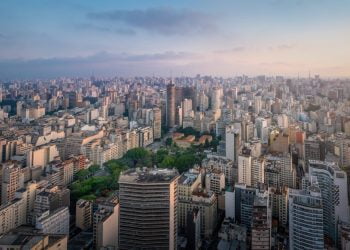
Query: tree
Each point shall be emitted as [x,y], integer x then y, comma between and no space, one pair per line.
[160,155]
[138,156]
[94,168]
[82,174]
[169,141]
[168,162]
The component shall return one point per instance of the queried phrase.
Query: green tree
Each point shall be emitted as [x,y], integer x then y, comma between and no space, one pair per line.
[169,141]
[160,155]
[138,157]
[94,168]
[168,162]
[82,174]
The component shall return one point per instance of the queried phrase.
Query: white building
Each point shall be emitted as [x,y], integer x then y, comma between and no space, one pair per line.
[56,222]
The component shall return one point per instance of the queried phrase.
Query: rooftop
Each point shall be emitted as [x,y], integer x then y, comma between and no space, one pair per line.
[148,175]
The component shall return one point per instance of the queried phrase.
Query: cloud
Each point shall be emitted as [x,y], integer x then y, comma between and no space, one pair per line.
[163,21]
[233,50]
[121,31]
[101,63]
[282,47]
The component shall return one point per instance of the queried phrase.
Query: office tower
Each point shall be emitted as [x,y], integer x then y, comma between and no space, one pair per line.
[333,184]
[279,171]
[306,219]
[187,108]
[148,208]
[261,129]
[261,223]
[244,201]
[342,148]
[56,222]
[157,123]
[232,143]
[257,103]
[315,148]
[10,182]
[216,98]
[170,106]
[257,171]
[245,167]
[83,214]
[203,102]
[230,203]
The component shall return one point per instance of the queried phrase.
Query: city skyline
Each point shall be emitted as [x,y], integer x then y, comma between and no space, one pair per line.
[44,39]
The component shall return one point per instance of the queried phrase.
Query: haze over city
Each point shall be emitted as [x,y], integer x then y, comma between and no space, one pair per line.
[41,39]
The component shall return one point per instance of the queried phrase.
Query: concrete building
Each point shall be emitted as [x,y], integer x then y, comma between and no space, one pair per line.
[83,214]
[11,181]
[33,241]
[56,222]
[333,185]
[245,167]
[148,208]
[261,223]
[222,164]
[157,123]
[192,195]
[315,148]
[106,224]
[232,143]
[306,219]
[13,215]
[170,106]
[215,181]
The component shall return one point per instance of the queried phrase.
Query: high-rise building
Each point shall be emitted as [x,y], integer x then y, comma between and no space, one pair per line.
[314,148]
[333,185]
[216,98]
[83,214]
[148,209]
[157,123]
[306,219]
[187,110]
[10,182]
[232,143]
[170,106]
[261,223]
[245,167]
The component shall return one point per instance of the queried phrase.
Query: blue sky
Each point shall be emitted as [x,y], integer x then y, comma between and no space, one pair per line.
[42,38]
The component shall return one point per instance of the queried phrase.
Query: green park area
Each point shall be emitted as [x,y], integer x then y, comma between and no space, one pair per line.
[96,182]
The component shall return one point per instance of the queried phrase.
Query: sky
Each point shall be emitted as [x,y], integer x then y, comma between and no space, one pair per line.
[48,38]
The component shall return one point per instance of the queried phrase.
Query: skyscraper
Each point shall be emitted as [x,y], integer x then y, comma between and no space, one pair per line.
[148,209]
[170,105]
[261,223]
[306,219]
[333,185]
